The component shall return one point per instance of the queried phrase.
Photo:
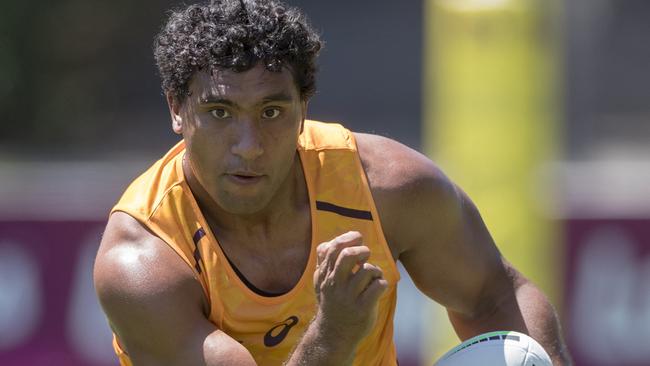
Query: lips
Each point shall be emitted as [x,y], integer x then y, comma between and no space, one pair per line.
[243,177]
[245,173]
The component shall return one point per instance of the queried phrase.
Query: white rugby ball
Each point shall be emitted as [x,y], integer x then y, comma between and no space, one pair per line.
[504,348]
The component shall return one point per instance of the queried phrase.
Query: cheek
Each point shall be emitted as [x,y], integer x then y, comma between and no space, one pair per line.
[207,154]
[283,142]
[286,132]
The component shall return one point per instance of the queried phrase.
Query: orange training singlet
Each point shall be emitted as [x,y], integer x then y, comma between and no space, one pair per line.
[269,327]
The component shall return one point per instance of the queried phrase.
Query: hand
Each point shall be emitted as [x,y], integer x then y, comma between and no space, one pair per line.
[347,288]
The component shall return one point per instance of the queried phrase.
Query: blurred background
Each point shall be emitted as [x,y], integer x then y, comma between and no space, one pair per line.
[540,110]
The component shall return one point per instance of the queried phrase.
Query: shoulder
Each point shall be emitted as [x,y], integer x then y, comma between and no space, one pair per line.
[408,188]
[393,166]
[134,262]
[140,280]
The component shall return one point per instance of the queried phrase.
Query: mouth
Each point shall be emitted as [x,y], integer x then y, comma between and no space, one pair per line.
[244,177]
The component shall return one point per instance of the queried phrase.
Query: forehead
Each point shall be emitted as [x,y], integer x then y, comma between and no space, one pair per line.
[254,83]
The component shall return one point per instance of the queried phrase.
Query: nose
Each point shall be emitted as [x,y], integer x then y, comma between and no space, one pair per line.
[248,141]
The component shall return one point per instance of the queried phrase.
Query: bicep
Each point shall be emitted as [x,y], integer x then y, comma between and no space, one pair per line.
[155,305]
[454,259]
[436,231]
[446,247]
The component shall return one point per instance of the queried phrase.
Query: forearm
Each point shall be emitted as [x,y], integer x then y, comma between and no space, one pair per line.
[347,303]
[524,309]
[542,322]
[318,347]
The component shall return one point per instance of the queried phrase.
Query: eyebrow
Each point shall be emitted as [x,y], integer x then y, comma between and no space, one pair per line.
[214,99]
[217,99]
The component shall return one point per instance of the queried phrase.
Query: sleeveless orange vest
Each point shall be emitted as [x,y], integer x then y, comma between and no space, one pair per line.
[270,326]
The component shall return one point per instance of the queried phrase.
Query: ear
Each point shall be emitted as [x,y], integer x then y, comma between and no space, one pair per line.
[175,113]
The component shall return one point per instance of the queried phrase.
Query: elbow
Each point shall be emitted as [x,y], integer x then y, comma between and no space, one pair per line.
[221,350]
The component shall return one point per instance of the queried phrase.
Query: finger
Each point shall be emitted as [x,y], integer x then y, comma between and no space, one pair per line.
[322,249]
[334,247]
[321,252]
[318,279]
[375,289]
[321,267]
[347,259]
[364,276]
[327,254]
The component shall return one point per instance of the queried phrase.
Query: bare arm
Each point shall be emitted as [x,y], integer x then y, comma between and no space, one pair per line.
[347,303]
[437,233]
[154,304]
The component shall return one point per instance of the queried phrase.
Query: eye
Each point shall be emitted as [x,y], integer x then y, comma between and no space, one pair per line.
[271,113]
[220,113]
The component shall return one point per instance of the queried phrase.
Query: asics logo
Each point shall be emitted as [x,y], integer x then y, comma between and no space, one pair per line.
[279,332]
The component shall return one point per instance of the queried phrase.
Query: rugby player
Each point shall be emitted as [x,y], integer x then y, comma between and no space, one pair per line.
[264,238]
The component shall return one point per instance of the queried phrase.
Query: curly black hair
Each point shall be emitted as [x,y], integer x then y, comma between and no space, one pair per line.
[236,35]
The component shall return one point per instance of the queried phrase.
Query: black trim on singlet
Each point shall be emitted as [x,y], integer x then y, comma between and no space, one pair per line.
[343,211]
[247,282]
[198,235]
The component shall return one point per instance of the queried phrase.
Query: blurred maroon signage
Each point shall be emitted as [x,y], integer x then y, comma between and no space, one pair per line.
[48,311]
[49,314]
[607,291]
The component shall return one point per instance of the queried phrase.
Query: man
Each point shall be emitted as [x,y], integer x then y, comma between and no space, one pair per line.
[212,256]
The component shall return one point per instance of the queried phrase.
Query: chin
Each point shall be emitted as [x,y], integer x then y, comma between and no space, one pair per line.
[244,205]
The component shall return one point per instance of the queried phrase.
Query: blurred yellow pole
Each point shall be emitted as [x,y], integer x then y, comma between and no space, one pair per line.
[491,117]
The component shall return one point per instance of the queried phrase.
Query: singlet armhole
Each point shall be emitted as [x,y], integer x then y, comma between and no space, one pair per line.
[179,252]
[373,209]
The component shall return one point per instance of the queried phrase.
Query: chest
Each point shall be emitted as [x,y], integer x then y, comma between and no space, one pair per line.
[270,264]
[270,326]
[271,270]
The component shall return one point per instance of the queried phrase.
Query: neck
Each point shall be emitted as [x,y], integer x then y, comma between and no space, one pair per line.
[290,199]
